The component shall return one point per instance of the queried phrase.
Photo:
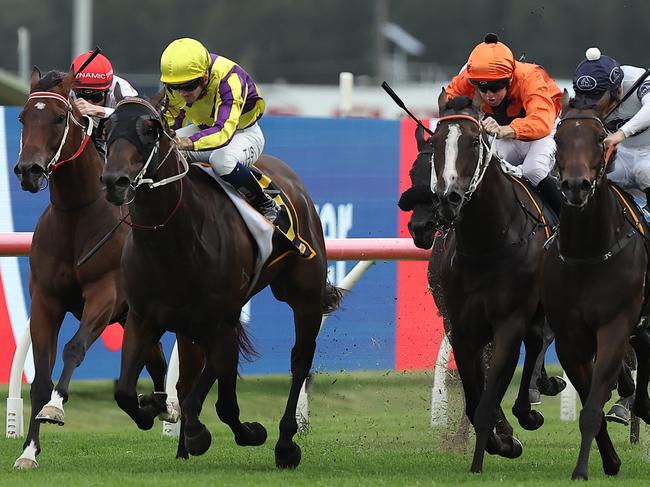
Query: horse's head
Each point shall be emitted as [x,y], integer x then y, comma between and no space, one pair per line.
[418,197]
[46,121]
[137,136]
[581,157]
[458,160]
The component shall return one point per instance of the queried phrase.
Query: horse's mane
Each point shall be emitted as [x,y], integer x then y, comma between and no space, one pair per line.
[458,103]
[51,79]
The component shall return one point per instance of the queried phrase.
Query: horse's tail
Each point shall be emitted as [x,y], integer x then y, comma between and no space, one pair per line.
[246,348]
[332,298]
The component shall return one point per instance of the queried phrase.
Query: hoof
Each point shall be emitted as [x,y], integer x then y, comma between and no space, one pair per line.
[532,420]
[198,444]
[154,404]
[25,464]
[579,475]
[552,386]
[52,415]
[612,467]
[287,457]
[255,435]
[618,414]
[172,414]
[511,447]
[145,422]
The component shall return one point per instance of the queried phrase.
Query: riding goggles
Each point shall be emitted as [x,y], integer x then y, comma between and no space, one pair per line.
[93,96]
[187,86]
[493,86]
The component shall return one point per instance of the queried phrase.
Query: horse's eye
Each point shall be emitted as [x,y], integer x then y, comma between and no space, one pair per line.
[60,118]
[476,142]
[20,117]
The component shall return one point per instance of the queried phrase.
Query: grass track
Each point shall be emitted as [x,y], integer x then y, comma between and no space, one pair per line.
[367,429]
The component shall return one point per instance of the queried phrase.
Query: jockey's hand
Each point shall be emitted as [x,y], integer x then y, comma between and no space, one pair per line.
[492,127]
[614,139]
[184,143]
[87,108]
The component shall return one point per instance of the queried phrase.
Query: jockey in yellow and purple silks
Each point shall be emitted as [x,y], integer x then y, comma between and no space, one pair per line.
[214,105]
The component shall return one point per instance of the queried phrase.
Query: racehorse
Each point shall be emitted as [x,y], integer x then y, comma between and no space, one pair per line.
[485,270]
[593,289]
[188,265]
[55,149]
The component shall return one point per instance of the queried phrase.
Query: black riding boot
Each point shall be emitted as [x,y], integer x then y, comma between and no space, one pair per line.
[243,180]
[550,192]
[647,198]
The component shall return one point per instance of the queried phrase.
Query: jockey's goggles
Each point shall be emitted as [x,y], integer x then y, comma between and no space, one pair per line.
[187,86]
[493,86]
[93,96]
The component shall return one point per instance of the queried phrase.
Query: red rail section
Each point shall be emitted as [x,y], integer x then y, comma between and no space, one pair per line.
[337,248]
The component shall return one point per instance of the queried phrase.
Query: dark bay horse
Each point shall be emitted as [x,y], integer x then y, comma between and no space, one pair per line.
[188,263]
[55,148]
[485,273]
[593,289]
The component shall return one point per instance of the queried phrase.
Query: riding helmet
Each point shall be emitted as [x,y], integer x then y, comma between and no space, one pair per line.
[183,60]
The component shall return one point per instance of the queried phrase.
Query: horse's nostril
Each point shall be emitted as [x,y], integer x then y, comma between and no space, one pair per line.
[455,198]
[585,185]
[35,169]
[564,185]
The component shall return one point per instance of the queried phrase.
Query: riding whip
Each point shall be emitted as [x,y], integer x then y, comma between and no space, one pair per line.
[400,104]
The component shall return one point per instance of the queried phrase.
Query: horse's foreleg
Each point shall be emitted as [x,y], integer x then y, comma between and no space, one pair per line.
[96,315]
[506,343]
[530,419]
[191,361]
[139,337]
[45,323]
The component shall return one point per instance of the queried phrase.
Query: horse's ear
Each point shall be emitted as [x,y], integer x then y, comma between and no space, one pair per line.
[66,84]
[564,101]
[36,76]
[605,103]
[420,137]
[157,99]
[117,93]
[442,100]
[477,101]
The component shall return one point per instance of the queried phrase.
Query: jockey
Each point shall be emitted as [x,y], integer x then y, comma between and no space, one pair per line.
[214,105]
[94,92]
[594,77]
[521,104]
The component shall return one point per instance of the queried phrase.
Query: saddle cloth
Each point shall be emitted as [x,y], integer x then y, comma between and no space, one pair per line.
[265,234]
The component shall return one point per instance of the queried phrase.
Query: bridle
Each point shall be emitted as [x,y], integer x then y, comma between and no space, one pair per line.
[55,163]
[140,179]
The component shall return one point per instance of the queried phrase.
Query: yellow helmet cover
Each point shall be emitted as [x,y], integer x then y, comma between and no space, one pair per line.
[183,60]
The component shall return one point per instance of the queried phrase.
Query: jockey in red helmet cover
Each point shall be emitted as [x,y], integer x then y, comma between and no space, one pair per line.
[94,91]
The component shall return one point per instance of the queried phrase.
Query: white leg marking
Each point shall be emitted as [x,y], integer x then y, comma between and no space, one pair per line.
[56,400]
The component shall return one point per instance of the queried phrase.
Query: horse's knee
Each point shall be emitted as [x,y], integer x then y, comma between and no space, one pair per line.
[590,420]
[74,350]
[227,412]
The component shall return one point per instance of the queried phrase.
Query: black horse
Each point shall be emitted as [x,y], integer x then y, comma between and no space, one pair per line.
[593,289]
[188,264]
[485,269]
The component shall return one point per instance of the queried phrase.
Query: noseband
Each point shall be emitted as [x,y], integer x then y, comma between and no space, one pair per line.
[54,162]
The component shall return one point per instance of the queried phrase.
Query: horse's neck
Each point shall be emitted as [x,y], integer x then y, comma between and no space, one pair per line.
[490,215]
[75,184]
[590,230]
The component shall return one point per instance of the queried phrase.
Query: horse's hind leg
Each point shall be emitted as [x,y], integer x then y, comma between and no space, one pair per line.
[529,419]
[307,319]
[45,323]
[96,314]
[194,434]
[225,359]
[191,361]
[641,344]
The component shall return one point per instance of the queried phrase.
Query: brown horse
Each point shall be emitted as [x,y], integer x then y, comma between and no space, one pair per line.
[56,149]
[485,272]
[594,278]
[188,264]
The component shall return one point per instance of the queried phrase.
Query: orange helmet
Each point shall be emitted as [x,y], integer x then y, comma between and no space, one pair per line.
[490,60]
[98,75]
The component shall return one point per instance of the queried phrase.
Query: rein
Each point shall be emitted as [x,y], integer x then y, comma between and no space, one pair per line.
[54,162]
